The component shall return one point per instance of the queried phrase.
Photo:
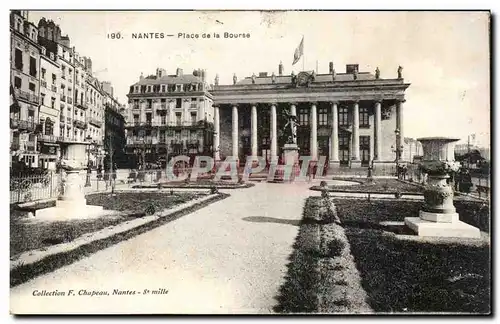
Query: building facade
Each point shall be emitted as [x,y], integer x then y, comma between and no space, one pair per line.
[48,140]
[350,118]
[25,88]
[169,115]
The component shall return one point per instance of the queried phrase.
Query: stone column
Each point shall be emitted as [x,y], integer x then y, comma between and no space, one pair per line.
[235,131]
[293,112]
[314,133]
[274,133]
[355,132]
[399,121]
[334,139]
[254,130]
[378,130]
[216,134]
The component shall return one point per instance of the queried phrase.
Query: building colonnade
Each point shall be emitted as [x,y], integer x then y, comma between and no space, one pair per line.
[354,126]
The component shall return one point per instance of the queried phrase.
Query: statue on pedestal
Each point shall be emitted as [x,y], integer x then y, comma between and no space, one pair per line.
[377,73]
[216,80]
[290,133]
[235,79]
[334,74]
[294,78]
[253,78]
[400,72]
[273,78]
[355,74]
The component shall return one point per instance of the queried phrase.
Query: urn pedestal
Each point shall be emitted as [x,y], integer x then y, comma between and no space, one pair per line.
[438,217]
[72,204]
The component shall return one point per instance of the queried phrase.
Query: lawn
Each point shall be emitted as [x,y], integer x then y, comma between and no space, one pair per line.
[396,273]
[200,184]
[378,185]
[402,275]
[28,234]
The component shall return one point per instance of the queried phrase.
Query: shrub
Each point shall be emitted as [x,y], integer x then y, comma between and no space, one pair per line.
[150,208]
[336,246]
[398,195]
[323,184]
[325,194]
[240,180]
[213,190]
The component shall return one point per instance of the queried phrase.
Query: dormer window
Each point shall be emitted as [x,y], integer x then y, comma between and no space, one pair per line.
[44,50]
[149,88]
[178,87]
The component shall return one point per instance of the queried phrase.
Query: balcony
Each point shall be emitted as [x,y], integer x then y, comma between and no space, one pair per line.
[80,124]
[162,107]
[48,138]
[81,105]
[43,83]
[62,119]
[142,141]
[70,100]
[53,88]
[68,120]
[193,105]
[28,96]
[23,125]
[63,98]
[94,121]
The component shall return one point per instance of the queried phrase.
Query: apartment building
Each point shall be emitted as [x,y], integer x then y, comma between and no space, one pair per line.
[169,115]
[25,88]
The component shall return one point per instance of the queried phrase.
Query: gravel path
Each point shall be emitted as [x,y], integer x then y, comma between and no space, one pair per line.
[229,257]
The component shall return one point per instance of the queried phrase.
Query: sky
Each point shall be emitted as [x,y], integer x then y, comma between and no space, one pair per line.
[445,55]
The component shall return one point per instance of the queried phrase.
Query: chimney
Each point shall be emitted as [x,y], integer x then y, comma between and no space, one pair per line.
[160,73]
[280,68]
[331,67]
[350,68]
[178,72]
[141,77]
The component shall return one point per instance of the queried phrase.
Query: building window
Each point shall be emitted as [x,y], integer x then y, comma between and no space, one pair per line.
[18,59]
[178,87]
[178,103]
[178,117]
[17,82]
[43,73]
[149,88]
[163,119]
[32,87]
[162,88]
[364,150]
[148,118]
[193,118]
[303,116]
[32,66]
[42,97]
[343,116]
[323,117]
[136,119]
[52,102]
[49,127]
[364,118]
[344,149]
[149,103]
[53,78]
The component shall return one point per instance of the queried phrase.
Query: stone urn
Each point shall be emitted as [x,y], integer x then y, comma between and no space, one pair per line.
[438,217]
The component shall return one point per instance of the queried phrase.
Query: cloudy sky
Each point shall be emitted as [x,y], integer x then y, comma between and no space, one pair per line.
[445,55]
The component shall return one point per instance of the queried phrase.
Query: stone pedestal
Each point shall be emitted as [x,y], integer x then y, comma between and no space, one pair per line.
[291,160]
[438,217]
[356,164]
[72,203]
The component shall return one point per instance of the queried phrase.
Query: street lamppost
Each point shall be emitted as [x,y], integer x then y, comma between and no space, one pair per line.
[397,149]
[89,171]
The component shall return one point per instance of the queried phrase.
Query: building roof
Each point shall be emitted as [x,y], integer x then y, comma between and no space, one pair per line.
[287,79]
[170,79]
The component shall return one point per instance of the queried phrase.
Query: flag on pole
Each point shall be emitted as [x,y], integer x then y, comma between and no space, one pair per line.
[299,51]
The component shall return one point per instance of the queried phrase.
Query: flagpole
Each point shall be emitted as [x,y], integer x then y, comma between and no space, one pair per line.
[303,54]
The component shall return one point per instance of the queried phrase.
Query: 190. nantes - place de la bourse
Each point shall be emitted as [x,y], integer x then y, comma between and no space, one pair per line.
[352,118]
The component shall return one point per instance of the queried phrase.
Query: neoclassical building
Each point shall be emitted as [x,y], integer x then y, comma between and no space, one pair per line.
[350,118]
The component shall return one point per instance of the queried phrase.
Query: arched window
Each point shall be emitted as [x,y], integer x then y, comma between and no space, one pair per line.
[49,126]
